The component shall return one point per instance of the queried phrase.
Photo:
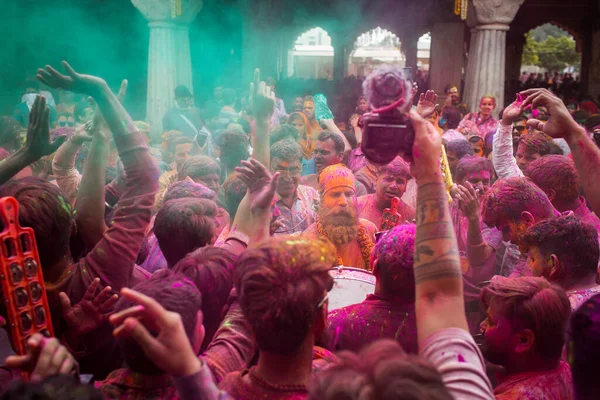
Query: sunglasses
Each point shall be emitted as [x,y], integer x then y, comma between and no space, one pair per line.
[66,123]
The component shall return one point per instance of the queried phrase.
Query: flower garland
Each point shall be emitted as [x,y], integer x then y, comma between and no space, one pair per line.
[364,242]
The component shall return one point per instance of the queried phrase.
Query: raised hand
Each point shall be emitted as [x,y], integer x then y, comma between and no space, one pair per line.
[91,311]
[261,184]
[38,144]
[560,124]
[427,150]
[46,357]
[427,104]
[262,100]
[512,112]
[468,199]
[122,90]
[170,348]
[82,134]
[73,81]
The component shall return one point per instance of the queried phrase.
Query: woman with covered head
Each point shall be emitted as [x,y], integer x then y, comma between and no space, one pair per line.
[484,120]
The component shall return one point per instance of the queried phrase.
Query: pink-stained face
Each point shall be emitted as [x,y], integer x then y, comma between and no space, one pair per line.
[389,186]
[486,106]
[481,180]
[524,157]
[497,335]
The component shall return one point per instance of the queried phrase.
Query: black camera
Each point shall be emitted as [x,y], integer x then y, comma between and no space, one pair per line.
[387,131]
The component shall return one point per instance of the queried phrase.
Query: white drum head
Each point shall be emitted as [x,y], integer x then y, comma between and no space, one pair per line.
[350,286]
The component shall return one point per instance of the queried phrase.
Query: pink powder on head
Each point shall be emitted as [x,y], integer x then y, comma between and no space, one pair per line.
[461,358]
[177,285]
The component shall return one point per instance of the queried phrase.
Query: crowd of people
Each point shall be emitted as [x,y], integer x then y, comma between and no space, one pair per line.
[230,230]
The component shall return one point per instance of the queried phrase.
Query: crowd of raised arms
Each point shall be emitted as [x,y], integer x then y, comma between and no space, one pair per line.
[205,263]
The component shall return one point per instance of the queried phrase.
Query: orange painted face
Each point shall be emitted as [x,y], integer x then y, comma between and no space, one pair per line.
[309,109]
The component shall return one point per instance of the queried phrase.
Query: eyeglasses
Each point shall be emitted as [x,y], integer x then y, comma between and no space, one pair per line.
[66,123]
[520,128]
[294,171]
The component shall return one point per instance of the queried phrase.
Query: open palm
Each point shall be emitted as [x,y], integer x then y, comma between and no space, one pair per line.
[72,81]
[261,184]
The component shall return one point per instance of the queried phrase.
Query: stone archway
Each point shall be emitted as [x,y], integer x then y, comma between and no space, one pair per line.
[311,56]
[374,47]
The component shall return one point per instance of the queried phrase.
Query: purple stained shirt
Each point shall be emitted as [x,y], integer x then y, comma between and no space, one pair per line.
[354,326]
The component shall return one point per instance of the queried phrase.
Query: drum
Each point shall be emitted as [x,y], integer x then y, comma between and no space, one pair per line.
[350,286]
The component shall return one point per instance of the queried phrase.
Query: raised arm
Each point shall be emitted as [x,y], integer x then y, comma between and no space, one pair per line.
[561,125]
[37,144]
[90,198]
[478,251]
[438,277]
[325,117]
[113,258]
[502,151]
[262,100]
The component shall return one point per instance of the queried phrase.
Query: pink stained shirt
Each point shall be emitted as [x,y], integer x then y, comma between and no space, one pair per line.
[555,384]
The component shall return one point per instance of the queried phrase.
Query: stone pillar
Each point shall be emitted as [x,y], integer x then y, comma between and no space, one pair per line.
[447,58]
[514,55]
[169,62]
[487,52]
[594,80]
[409,48]
[587,55]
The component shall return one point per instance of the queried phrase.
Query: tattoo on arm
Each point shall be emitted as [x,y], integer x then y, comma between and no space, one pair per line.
[436,252]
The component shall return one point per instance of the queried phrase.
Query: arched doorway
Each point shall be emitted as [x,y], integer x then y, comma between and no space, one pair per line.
[551,59]
[377,46]
[312,56]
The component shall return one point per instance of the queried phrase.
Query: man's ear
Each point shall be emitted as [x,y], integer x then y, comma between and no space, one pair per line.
[551,194]
[199,332]
[374,266]
[525,341]
[554,266]
[528,218]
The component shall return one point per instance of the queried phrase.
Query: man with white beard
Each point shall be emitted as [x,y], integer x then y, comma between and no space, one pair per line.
[337,218]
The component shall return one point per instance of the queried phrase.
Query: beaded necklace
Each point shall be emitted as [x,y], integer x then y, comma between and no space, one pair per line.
[277,388]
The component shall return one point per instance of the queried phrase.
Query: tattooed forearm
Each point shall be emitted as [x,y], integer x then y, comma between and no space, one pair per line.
[436,252]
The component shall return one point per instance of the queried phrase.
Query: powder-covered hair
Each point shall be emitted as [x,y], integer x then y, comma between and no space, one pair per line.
[396,167]
[584,348]
[338,142]
[452,115]
[176,294]
[183,225]
[509,197]
[188,188]
[394,253]
[280,284]
[286,150]
[558,173]
[573,241]
[535,304]
[383,371]
[211,270]
[470,164]
[460,148]
[198,167]
[44,207]
[536,143]
[234,189]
